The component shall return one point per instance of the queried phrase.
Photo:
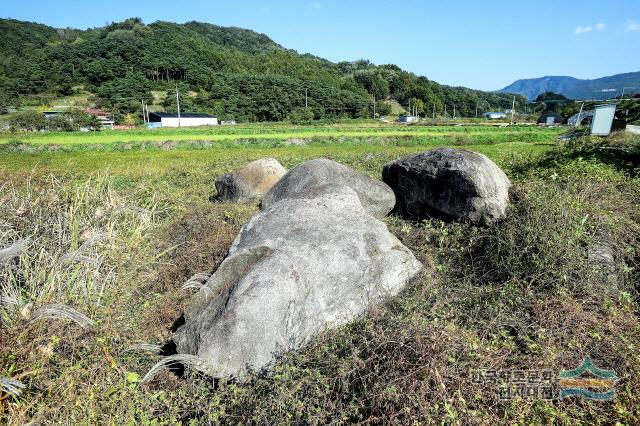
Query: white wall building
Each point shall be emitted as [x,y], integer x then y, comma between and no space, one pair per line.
[187,119]
[407,119]
[494,115]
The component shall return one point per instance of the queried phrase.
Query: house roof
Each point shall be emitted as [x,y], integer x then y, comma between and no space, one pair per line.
[182,115]
[96,112]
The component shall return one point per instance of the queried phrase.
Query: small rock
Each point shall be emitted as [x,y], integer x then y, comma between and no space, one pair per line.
[601,253]
[295,141]
[250,183]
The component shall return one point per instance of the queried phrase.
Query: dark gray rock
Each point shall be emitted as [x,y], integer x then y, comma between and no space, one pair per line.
[453,183]
[251,182]
[376,197]
[300,266]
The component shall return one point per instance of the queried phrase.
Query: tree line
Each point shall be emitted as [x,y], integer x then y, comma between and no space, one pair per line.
[229,72]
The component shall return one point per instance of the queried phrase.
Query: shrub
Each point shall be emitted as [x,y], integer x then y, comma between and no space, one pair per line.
[29,120]
[301,116]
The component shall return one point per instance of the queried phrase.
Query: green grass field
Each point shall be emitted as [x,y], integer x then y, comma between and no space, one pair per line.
[116,222]
[277,132]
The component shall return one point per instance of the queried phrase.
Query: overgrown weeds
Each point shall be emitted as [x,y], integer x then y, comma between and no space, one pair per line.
[57,243]
[519,295]
[620,151]
[62,242]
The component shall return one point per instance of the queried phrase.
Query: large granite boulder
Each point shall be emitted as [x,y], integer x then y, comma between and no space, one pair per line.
[454,183]
[300,266]
[376,197]
[251,182]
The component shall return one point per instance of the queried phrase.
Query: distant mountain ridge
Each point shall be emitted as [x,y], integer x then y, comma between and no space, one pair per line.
[573,88]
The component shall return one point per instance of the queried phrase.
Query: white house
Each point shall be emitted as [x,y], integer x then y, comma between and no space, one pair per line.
[494,115]
[407,119]
[102,116]
[187,119]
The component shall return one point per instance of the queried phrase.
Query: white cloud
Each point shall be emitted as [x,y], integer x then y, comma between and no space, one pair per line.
[599,26]
[633,25]
[582,30]
[315,5]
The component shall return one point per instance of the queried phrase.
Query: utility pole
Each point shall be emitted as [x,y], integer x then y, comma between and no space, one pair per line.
[434,110]
[454,111]
[445,110]
[409,106]
[374,106]
[144,117]
[178,102]
[623,89]
[476,110]
[579,115]
[513,108]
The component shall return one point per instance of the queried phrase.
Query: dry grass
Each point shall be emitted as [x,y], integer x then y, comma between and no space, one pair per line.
[63,240]
[59,239]
[197,363]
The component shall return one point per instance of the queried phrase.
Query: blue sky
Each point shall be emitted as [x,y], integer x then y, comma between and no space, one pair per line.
[479,44]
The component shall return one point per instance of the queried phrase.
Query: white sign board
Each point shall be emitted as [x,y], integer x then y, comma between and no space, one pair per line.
[602,120]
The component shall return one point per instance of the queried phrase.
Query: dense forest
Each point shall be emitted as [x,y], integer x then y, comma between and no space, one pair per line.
[230,72]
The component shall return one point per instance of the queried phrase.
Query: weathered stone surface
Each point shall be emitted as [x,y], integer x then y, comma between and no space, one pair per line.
[601,256]
[251,182]
[375,196]
[453,183]
[298,267]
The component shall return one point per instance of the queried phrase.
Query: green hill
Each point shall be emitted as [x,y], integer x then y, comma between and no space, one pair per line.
[230,72]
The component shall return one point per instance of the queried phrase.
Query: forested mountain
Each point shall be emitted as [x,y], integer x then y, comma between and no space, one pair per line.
[574,88]
[230,72]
